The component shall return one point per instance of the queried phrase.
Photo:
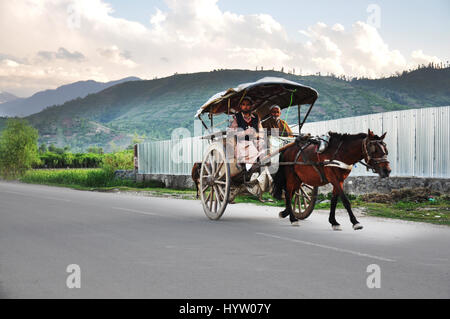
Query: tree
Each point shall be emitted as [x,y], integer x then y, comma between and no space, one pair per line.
[137,139]
[43,148]
[52,148]
[95,150]
[18,148]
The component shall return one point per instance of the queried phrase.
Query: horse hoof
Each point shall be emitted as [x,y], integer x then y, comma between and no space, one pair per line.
[357,226]
[296,223]
[280,214]
[337,227]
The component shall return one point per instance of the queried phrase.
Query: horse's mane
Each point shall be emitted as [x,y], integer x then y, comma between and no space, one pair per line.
[346,137]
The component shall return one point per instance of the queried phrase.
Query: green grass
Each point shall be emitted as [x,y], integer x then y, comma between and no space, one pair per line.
[437,212]
[81,178]
[269,200]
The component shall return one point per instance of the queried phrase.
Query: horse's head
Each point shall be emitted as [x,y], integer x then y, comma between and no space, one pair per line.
[375,154]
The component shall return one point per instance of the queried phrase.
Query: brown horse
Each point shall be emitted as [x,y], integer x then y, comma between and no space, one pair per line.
[305,164]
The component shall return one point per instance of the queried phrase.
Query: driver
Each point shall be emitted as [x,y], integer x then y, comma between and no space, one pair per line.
[250,134]
[274,121]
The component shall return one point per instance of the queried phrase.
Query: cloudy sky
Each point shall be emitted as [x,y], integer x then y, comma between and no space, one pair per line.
[48,43]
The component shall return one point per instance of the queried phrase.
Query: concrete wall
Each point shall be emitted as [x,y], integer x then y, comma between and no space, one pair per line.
[356,185]
[125,174]
[170,181]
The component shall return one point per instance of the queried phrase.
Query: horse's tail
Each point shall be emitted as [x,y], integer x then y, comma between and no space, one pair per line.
[279,183]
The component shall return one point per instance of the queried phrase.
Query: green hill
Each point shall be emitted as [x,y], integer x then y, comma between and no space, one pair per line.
[423,87]
[156,107]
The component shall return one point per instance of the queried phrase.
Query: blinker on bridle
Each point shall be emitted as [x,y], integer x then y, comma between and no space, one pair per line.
[367,144]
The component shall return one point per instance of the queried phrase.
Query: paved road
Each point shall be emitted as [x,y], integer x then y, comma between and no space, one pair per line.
[141,247]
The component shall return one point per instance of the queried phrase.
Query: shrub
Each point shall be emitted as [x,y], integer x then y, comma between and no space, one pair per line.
[18,148]
[123,160]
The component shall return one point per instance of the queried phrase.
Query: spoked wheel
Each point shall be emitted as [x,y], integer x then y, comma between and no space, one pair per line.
[304,201]
[214,182]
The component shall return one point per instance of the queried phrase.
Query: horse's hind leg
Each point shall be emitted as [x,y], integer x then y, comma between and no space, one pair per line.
[288,210]
[292,184]
[292,218]
[283,213]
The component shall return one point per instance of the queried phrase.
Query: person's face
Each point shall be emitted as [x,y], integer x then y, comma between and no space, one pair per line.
[246,106]
[276,113]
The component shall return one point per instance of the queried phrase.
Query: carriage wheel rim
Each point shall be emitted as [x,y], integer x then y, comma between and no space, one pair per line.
[304,201]
[214,182]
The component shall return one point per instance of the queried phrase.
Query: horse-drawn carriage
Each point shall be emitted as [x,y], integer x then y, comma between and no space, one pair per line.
[221,176]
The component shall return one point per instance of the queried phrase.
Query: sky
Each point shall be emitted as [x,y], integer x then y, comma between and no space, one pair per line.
[48,43]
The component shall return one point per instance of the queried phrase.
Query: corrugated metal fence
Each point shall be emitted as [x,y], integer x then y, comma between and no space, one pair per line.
[174,157]
[418,141]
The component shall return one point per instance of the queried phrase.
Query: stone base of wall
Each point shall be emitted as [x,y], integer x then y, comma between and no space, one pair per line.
[356,185]
[125,174]
[170,181]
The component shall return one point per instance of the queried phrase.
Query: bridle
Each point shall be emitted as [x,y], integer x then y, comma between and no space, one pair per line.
[368,152]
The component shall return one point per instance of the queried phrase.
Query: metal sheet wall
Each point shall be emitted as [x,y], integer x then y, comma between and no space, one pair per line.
[418,141]
[174,157]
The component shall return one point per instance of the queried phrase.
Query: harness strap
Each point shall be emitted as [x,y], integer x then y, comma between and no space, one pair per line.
[315,165]
[334,163]
[339,164]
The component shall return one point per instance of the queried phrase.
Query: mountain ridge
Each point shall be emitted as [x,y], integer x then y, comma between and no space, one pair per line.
[7,97]
[42,99]
[156,107]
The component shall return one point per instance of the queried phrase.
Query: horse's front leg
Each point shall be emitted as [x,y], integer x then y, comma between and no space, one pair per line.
[354,221]
[338,190]
[332,219]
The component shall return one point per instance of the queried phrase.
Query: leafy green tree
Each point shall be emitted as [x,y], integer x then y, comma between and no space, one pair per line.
[136,140]
[52,148]
[122,160]
[95,150]
[42,148]
[18,148]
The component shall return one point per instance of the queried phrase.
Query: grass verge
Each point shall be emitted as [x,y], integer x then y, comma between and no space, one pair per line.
[435,213]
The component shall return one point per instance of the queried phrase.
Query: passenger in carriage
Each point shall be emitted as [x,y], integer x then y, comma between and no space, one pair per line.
[274,121]
[250,135]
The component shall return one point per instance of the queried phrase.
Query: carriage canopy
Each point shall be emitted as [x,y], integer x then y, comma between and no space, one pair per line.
[264,93]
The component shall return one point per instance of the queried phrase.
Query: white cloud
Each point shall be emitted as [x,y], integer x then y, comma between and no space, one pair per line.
[190,36]
[62,54]
[114,55]
[359,51]
[418,57]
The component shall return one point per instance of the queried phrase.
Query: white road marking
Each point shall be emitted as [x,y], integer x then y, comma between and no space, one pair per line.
[37,196]
[327,247]
[135,211]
